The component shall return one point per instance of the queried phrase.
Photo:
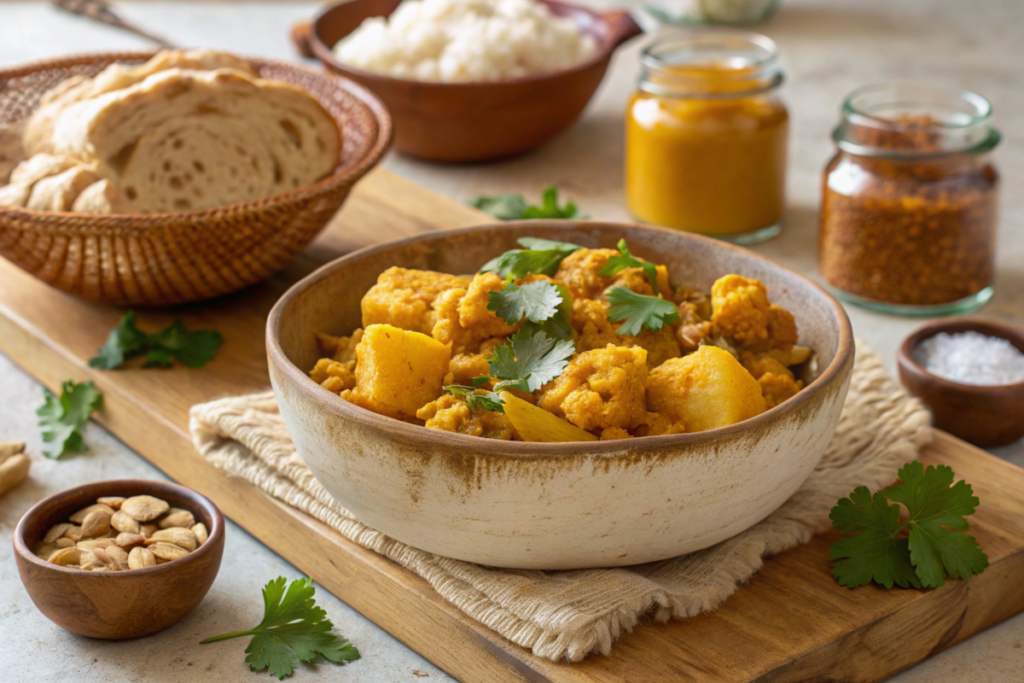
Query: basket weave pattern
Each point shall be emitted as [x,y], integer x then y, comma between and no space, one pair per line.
[166,259]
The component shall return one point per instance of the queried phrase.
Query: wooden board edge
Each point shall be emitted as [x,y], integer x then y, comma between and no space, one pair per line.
[941,618]
[423,623]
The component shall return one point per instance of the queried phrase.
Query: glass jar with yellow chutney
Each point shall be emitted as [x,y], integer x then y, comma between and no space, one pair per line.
[706,136]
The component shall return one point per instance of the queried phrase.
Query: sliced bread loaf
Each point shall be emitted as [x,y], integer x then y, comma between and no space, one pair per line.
[184,140]
[39,127]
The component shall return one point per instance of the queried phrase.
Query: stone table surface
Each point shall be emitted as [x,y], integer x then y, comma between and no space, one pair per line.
[828,48]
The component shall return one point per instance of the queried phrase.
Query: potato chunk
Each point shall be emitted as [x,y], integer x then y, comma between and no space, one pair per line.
[705,390]
[403,298]
[599,389]
[743,315]
[397,372]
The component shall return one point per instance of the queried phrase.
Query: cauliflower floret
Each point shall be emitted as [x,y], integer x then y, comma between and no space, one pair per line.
[777,381]
[341,349]
[778,388]
[463,320]
[465,366]
[656,424]
[704,390]
[599,389]
[590,320]
[402,298]
[614,434]
[451,414]
[743,314]
[334,376]
[581,273]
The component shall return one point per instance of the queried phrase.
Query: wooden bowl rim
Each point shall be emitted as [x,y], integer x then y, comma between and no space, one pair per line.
[433,437]
[355,169]
[992,327]
[109,487]
[605,48]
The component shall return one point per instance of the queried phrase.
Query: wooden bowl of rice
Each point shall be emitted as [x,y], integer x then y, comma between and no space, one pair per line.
[174,258]
[480,120]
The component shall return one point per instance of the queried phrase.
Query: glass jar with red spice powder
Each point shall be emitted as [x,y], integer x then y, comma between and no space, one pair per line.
[909,201]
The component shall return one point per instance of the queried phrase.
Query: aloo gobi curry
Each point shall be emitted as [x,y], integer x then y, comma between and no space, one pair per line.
[556,342]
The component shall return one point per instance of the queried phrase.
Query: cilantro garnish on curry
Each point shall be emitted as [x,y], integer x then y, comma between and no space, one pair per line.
[557,342]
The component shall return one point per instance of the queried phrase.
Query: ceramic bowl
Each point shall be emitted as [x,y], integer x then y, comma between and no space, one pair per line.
[118,605]
[565,505]
[473,121]
[986,416]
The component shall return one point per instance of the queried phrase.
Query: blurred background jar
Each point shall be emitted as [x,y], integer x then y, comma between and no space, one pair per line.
[909,201]
[690,12]
[706,136]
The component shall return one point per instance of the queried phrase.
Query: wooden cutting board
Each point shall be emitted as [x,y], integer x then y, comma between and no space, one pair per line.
[791,622]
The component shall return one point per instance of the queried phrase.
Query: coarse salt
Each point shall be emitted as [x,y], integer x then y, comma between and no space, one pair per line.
[971,358]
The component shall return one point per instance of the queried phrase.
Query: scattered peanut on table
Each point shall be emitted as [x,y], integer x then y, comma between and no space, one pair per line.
[119,534]
[13,465]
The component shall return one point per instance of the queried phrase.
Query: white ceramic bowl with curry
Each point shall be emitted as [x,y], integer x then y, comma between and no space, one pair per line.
[554,505]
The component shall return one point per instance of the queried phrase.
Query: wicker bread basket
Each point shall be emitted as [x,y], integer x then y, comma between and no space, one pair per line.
[165,259]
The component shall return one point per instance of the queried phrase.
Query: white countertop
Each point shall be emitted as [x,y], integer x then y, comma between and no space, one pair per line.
[828,48]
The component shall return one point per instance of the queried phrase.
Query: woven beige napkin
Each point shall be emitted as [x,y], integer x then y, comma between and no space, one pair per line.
[570,614]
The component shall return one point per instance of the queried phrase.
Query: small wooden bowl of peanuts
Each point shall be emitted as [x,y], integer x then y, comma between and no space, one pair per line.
[119,559]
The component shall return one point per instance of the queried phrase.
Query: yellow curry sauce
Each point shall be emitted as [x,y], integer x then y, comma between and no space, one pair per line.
[706,140]
[722,359]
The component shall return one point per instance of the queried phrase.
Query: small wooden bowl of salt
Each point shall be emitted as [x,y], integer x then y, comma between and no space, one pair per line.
[970,372]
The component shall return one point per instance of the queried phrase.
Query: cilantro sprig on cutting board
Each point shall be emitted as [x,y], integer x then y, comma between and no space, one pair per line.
[294,629]
[126,341]
[920,550]
[511,206]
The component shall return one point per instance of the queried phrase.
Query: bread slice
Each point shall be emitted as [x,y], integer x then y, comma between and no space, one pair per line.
[15,194]
[40,166]
[185,140]
[58,192]
[39,128]
[100,197]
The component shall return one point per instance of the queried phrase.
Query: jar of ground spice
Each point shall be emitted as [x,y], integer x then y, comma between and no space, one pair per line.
[908,214]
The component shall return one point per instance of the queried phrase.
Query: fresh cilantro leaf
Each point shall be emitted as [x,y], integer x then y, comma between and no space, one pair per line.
[475,400]
[876,553]
[529,359]
[626,260]
[936,509]
[480,381]
[62,417]
[918,552]
[557,326]
[193,349]
[638,311]
[506,207]
[511,206]
[541,257]
[536,301]
[126,342]
[294,629]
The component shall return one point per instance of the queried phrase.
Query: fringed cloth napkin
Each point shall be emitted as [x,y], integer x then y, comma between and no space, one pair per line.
[570,614]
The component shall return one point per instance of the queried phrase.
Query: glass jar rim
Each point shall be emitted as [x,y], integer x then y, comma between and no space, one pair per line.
[959,119]
[756,63]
